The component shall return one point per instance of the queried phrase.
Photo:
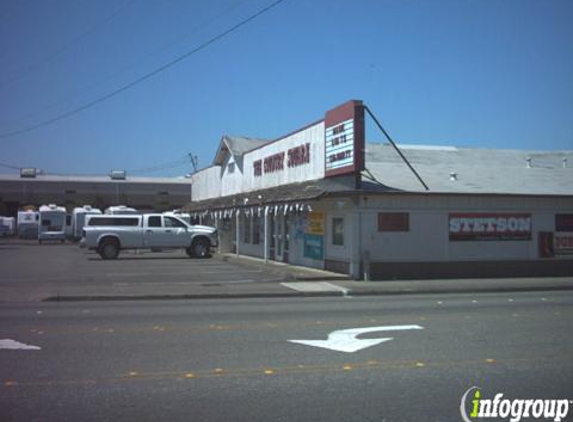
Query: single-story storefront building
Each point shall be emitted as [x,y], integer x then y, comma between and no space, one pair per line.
[322,197]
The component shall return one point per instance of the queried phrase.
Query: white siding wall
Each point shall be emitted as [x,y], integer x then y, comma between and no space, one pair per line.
[313,170]
[216,181]
[206,184]
[428,238]
[231,182]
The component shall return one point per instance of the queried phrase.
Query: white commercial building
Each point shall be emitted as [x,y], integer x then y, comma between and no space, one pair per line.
[323,197]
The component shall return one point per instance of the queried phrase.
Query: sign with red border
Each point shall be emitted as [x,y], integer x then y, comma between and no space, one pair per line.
[489,226]
[344,139]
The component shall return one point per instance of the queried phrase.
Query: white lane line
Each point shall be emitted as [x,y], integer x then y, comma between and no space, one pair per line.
[16,345]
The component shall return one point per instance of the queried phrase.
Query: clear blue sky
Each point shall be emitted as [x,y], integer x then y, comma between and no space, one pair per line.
[484,73]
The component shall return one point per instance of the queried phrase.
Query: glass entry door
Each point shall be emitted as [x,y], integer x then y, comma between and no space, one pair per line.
[280,238]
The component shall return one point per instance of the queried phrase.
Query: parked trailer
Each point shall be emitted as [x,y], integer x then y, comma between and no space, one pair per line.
[52,223]
[27,224]
[79,215]
[7,226]
[120,210]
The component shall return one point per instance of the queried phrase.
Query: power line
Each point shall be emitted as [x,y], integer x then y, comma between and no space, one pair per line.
[10,166]
[145,77]
[35,66]
[160,167]
[110,76]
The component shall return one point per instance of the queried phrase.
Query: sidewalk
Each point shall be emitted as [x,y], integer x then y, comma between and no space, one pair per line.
[287,281]
[292,289]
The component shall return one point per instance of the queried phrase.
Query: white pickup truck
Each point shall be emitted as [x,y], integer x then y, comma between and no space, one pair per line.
[108,234]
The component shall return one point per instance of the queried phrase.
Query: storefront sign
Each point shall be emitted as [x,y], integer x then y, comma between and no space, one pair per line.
[564,222]
[314,246]
[563,243]
[344,139]
[488,226]
[298,155]
[315,223]
[295,157]
[553,245]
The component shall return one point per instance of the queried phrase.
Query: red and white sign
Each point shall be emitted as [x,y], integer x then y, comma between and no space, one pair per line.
[296,156]
[563,243]
[344,139]
[490,226]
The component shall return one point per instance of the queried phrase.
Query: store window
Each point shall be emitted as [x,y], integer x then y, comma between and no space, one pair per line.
[247,229]
[338,231]
[393,222]
[256,230]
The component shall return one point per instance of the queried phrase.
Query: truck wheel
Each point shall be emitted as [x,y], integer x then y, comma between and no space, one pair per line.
[201,248]
[109,249]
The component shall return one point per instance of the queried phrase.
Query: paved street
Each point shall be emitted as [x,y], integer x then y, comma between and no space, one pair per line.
[229,359]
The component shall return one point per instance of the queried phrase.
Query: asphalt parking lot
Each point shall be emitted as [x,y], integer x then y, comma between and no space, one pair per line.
[31,272]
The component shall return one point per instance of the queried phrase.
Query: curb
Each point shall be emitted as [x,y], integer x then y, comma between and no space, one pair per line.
[190,296]
[294,294]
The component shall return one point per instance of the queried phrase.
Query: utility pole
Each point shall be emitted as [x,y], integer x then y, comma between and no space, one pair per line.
[194,161]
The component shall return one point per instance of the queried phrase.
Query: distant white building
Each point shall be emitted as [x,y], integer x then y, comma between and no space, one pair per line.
[322,197]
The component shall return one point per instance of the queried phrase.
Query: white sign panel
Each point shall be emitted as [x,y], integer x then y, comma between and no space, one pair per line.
[340,145]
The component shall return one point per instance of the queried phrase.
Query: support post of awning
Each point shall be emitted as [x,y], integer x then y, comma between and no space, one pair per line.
[265,236]
[237,233]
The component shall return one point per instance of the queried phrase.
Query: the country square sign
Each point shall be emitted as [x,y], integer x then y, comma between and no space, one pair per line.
[489,226]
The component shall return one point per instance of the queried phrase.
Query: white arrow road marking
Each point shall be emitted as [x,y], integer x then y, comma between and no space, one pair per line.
[346,341]
[16,345]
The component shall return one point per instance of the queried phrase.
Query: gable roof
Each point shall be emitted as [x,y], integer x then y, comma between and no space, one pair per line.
[237,146]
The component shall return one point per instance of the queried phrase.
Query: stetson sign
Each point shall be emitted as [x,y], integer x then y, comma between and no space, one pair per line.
[489,226]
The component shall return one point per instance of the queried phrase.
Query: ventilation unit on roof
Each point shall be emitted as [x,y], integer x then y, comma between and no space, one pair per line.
[29,172]
[117,175]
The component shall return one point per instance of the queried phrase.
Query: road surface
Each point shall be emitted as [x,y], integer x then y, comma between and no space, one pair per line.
[231,360]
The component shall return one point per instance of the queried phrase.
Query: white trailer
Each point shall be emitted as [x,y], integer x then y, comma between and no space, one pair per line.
[79,215]
[27,224]
[7,226]
[52,223]
[120,210]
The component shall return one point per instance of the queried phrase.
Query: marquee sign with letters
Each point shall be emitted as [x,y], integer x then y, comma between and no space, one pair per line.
[490,226]
[344,139]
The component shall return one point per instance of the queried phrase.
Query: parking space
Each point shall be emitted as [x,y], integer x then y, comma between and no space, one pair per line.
[30,271]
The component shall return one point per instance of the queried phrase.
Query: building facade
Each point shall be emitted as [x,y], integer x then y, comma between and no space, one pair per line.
[322,197]
[143,193]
